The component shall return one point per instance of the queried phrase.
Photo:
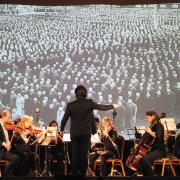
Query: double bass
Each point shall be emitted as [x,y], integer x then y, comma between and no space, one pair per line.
[141,149]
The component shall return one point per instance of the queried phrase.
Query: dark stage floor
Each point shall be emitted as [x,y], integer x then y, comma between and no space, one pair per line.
[92,178]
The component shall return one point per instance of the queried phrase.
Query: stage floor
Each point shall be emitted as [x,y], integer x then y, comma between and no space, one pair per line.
[92,178]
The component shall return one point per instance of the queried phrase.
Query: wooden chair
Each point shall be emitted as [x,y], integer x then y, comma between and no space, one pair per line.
[3,164]
[166,161]
[175,162]
[115,162]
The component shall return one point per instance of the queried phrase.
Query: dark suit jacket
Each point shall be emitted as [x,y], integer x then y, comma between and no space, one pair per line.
[3,139]
[81,115]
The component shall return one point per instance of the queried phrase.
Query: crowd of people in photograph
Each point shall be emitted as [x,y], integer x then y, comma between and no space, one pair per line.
[127,56]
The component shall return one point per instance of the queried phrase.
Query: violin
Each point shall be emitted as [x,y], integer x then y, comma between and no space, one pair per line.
[35,130]
[11,126]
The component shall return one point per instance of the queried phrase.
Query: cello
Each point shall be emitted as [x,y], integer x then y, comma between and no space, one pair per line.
[137,152]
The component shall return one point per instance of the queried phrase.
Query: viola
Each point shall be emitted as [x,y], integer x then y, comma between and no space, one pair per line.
[13,127]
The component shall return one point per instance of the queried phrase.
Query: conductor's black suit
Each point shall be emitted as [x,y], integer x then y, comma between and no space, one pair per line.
[82,125]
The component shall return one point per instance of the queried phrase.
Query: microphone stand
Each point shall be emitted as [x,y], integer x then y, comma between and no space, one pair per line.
[37,111]
[37,161]
[114,115]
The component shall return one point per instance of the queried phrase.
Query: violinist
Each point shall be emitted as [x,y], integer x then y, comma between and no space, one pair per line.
[5,144]
[109,138]
[21,146]
[157,150]
[57,151]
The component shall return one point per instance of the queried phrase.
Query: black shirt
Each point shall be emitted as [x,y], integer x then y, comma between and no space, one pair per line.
[159,139]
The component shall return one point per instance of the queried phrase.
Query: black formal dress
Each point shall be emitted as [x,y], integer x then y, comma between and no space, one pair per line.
[26,156]
[157,151]
[112,149]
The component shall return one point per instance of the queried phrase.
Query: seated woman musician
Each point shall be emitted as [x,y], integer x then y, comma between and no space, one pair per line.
[21,145]
[109,139]
[158,149]
[57,151]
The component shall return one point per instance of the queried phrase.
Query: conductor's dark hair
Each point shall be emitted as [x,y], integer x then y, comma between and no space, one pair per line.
[152,113]
[81,91]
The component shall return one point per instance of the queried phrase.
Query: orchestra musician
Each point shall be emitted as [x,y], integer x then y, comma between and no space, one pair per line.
[157,150]
[177,147]
[21,146]
[177,142]
[107,147]
[109,138]
[57,151]
[5,144]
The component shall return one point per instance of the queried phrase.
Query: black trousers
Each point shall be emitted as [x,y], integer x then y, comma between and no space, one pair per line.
[13,161]
[145,164]
[80,147]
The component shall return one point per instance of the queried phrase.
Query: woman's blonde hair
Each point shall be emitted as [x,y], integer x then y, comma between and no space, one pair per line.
[108,120]
[24,119]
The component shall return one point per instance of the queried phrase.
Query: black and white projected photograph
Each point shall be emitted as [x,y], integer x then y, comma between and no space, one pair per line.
[125,55]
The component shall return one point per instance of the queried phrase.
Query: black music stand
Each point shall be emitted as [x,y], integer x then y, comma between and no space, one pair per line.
[46,143]
[36,162]
[114,113]
[37,111]
[66,140]
[47,171]
[94,139]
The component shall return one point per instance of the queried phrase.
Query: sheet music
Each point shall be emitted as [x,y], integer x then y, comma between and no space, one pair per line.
[51,131]
[66,137]
[169,124]
[95,138]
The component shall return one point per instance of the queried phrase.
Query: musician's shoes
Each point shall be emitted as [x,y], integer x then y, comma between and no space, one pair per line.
[134,175]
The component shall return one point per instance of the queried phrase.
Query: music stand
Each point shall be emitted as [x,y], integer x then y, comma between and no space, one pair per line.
[66,140]
[51,134]
[37,111]
[47,169]
[36,162]
[130,134]
[94,139]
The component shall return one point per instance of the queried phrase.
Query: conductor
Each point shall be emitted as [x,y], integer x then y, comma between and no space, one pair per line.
[82,125]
